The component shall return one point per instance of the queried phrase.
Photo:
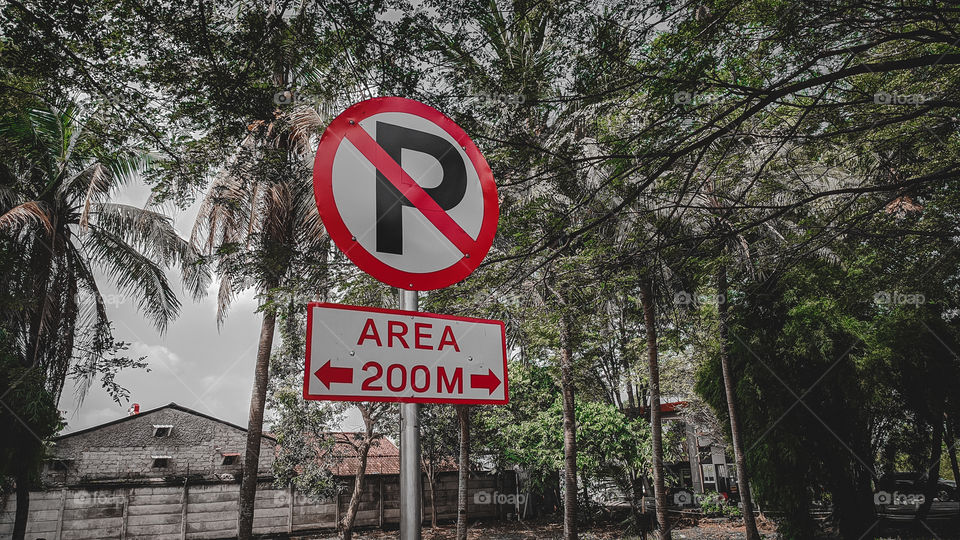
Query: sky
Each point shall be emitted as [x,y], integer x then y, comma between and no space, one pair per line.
[193,364]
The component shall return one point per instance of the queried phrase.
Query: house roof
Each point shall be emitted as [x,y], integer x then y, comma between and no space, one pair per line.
[669,407]
[170,405]
[384,456]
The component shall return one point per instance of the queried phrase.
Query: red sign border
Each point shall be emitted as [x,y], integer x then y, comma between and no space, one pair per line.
[308,372]
[330,142]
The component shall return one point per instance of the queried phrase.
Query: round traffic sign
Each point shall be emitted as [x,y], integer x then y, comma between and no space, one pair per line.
[405,193]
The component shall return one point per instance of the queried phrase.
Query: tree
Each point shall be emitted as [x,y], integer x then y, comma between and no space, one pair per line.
[309,447]
[648,302]
[29,418]
[373,414]
[439,442]
[260,222]
[736,436]
[58,224]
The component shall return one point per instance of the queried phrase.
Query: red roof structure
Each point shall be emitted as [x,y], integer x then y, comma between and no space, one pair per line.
[384,456]
[670,407]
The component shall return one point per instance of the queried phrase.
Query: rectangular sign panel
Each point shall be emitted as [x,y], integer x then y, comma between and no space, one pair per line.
[372,354]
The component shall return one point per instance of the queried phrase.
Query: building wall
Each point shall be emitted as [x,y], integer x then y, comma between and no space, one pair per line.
[209,510]
[123,451]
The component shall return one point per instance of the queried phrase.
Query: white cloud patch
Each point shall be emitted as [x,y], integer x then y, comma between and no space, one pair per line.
[157,355]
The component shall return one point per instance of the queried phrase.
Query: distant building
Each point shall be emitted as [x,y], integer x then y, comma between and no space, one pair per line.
[708,467]
[162,444]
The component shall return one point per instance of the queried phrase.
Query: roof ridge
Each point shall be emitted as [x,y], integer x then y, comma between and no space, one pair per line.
[171,405]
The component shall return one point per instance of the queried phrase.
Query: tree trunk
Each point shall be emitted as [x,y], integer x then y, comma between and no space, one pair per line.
[351,515]
[749,520]
[952,449]
[251,457]
[656,427]
[569,434]
[432,486]
[463,414]
[23,504]
[933,473]
[42,259]
[364,451]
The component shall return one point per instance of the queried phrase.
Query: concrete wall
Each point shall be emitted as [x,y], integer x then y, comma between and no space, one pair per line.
[159,512]
[123,450]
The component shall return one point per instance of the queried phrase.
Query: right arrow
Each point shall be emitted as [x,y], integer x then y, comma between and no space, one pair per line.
[329,374]
[488,381]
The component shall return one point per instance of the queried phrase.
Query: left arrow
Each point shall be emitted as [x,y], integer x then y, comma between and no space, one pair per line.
[329,374]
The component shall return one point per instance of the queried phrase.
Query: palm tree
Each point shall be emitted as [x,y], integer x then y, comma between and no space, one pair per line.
[58,224]
[260,223]
[495,48]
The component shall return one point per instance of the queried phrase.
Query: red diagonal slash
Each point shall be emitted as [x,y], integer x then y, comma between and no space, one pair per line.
[410,189]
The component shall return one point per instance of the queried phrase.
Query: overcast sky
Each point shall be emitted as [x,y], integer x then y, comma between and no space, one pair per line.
[194,364]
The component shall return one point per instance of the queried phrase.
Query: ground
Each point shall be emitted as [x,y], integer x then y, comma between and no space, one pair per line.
[705,530]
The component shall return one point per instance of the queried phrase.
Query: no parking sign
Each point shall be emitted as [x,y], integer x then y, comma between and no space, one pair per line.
[405,193]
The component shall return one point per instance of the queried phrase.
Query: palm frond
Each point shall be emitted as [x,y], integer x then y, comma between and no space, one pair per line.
[97,185]
[133,273]
[305,122]
[25,214]
[218,213]
[224,297]
[154,235]
[127,168]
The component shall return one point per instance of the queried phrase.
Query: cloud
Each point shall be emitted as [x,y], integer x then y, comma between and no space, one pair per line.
[156,355]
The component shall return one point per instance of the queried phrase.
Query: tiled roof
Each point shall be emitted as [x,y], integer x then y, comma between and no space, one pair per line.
[384,456]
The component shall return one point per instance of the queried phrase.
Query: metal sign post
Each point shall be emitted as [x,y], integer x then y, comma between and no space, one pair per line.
[410,485]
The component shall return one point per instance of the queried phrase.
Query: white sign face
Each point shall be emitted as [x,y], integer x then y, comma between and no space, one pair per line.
[405,194]
[371,354]
[398,234]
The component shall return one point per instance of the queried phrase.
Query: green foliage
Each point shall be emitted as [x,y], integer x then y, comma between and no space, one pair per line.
[712,504]
[528,434]
[29,416]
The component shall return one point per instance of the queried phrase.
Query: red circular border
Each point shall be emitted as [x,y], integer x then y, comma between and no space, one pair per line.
[341,235]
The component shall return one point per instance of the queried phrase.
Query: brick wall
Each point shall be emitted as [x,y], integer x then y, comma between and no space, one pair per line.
[124,450]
